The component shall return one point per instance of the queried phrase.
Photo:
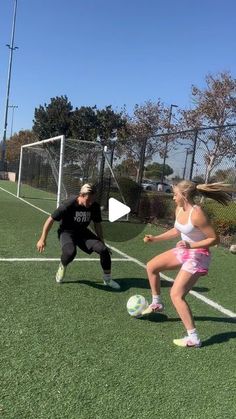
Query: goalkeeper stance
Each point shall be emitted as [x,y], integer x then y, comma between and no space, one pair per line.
[75,215]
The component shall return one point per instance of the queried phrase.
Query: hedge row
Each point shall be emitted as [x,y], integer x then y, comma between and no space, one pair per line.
[156,207]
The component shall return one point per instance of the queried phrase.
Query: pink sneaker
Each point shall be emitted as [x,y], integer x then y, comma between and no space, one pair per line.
[153,308]
[187,342]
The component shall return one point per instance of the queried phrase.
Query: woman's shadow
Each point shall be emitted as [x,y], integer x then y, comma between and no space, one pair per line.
[213,340]
[142,283]
[220,338]
[128,283]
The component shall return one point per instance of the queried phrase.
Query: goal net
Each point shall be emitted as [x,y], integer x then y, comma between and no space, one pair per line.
[56,168]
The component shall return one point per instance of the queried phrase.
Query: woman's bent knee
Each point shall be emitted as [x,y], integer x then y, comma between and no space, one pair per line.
[68,253]
[175,295]
[152,268]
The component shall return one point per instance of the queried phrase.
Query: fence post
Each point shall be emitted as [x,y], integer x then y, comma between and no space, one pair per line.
[193,155]
[142,160]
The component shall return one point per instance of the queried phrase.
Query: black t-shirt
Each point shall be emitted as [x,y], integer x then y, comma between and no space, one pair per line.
[74,217]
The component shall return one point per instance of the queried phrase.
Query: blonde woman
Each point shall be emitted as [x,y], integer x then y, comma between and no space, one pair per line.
[191,253]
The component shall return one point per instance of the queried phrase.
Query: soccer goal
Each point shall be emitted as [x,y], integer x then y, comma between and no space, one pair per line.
[56,168]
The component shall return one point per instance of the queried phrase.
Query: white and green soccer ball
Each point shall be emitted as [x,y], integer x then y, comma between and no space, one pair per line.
[136,304]
[232,249]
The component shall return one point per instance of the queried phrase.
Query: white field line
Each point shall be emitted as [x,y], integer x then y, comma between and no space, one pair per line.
[201,297]
[58,260]
[21,199]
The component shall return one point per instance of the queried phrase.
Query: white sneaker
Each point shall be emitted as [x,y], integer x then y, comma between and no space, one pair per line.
[188,342]
[153,308]
[112,284]
[60,273]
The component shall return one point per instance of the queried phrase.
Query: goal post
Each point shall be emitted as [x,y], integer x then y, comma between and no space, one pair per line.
[56,168]
[29,164]
[60,172]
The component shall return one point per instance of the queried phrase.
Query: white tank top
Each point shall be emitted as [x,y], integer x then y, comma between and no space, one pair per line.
[188,232]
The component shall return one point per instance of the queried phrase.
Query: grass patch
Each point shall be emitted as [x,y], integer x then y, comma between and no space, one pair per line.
[72,350]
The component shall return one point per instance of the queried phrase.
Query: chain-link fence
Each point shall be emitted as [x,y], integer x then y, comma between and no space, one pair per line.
[204,155]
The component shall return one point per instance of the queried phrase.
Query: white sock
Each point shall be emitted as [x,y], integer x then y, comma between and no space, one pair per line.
[106,277]
[193,334]
[156,299]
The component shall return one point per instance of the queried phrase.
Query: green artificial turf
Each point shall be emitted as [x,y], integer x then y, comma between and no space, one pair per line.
[72,351]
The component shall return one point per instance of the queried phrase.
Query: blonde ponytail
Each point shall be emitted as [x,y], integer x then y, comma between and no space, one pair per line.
[218,191]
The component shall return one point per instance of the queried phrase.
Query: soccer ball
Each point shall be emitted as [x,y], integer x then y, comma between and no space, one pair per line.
[232,249]
[136,304]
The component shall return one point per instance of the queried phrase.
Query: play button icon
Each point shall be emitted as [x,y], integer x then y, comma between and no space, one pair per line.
[116,203]
[116,210]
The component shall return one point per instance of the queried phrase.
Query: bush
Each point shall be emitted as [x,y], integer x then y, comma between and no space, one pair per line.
[156,206]
[144,208]
[131,192]
[218,211]
[224,227]
[223,221]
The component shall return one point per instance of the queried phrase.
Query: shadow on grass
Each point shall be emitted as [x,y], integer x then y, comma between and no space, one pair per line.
[220,338]
[142,283]
[167,284]
[213,340]
[127,283]
[154,317]
[97,285]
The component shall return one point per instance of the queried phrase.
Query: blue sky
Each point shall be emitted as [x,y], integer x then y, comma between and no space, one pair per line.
[107,52]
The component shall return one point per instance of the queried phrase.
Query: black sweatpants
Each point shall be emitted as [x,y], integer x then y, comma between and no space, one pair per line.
[86,241]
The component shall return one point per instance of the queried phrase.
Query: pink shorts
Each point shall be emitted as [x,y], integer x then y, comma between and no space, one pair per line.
[193,260]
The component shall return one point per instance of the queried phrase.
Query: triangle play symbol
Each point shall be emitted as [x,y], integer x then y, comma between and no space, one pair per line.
[116,209]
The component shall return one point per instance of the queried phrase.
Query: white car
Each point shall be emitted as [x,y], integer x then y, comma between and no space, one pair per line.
[157,186]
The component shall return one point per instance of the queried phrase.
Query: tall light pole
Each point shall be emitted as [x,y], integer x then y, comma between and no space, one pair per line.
[12,118]
[166,144]
[11,48]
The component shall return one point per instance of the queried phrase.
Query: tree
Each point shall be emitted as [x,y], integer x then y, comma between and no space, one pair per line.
[140,144]
[154,170]
[14,146]
[84,123]
[199,179]
[227,175]
[126,168]
[53,119]
[109,122]
[214,106]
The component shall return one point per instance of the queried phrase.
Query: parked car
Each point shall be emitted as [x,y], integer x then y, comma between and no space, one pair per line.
[157,186]
[148,185]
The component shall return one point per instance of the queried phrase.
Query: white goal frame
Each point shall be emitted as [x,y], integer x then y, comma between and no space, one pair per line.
[60,138]
[58,171]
